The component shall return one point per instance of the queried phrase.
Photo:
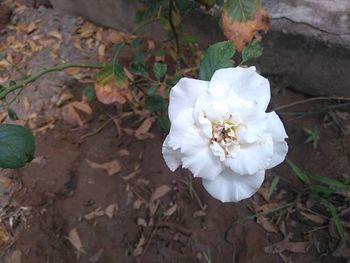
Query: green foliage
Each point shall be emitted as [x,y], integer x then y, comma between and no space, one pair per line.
[241,10]
[216,57]
[159,70]
[155,103]
[163,123]
[12,114]
[89,93]
[313,136]
[17,146]
[252,51]
[273,185]
[299,173]
[153,89]
[138,69]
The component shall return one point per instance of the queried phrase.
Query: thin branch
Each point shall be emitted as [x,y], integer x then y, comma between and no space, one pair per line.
[173,28]
[309,100]
[33,78]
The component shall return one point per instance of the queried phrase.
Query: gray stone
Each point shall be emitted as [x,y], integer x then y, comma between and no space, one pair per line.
[308,43]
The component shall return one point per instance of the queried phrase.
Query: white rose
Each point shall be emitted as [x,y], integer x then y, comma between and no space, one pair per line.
[221,132]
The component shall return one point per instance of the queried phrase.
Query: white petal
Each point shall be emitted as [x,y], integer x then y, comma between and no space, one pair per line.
[231,187]
[252,158]
[184,94]
[172,157]
[280,150]
[275,127]
[179,126]
[197,156]
[254,125]
[245,82]
[217,150]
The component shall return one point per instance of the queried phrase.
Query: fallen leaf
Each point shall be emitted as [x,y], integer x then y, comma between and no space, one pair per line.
[141,222]
[6,182]
[70,115]
[123,152]
[144,127]
[137,204]
[170,211]
[96,213]
[65,96]
[111,210]
[72,71]
[97,256]
[286,245]
[314,218]
[82,106]
[111,167]
[4,235]
[55,34]
[26,104]
[160,192]
[74,239]
[242,30]
[110,93]
[267,225]
[131,175]
[139,248]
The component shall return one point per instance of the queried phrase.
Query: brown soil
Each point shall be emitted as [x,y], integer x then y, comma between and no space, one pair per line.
[64,188]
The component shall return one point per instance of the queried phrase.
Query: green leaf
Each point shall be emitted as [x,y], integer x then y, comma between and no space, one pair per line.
[152,89]
[12,114]
[159,70]
[163,123]
[155,103]
[252,51]
[105,75]
[273,185]
[216,57]
[139,57]
[241,10]
[138,69]
[329,182]
[17,146]
[89,93]
[338,224]
[119,74]
[299,173]
[116,48]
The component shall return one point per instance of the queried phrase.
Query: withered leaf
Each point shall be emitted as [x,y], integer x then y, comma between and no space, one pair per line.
[160,192]
[111,167]
[74,239]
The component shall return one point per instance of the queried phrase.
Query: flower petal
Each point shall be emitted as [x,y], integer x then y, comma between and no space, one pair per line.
[280,150]
[231,187]
[197,156]
[179,126]
[171,157]
[275,127]
[245,82]
[251,158]
[184,94]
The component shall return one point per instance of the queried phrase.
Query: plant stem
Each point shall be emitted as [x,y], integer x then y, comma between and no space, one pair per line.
[33,78]
[173,28]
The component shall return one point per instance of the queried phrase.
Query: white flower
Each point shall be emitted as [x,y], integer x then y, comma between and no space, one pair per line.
[221,132]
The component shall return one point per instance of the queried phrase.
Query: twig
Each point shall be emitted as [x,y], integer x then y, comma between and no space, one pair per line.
[309,100]
[83,137]
[33,78]
[173,28]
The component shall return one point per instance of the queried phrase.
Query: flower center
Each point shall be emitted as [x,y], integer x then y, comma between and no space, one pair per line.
[225,134]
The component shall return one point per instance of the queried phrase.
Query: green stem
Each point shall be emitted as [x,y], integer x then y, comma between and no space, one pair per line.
[33,78]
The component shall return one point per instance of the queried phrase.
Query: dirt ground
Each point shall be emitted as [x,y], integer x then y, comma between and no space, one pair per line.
[65,209]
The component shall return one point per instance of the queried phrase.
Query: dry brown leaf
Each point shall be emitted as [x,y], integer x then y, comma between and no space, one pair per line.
[97,256]
[123,152]
[111,210]
[286,245]
[160,192]
[139,248]
[115,37]
[171,210]
[242,33]
[314,218]
[267,225]
[55,34]
[101,51]
[26,104]
[70,115]
[72,71]
[74,239]
[110,93]
[111,167]
[137,204]
[6,182]
[144,127]
[199,213]
[4,235]
[96,213]
[131,175]
[141,222]
[82,106]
